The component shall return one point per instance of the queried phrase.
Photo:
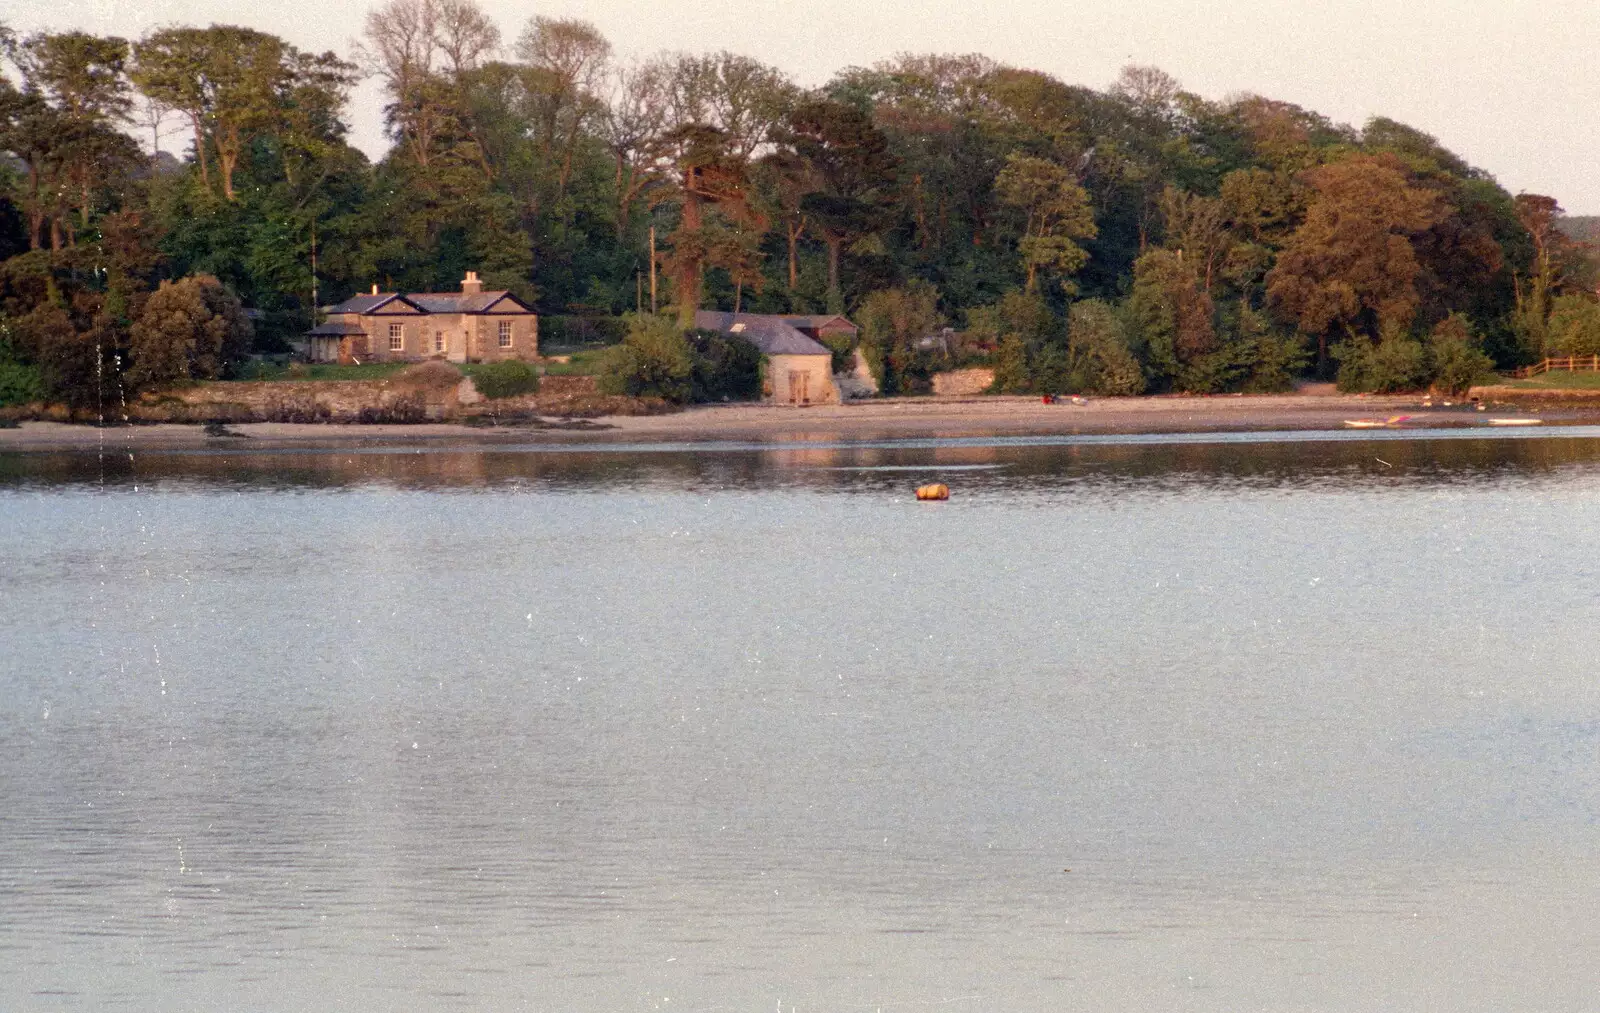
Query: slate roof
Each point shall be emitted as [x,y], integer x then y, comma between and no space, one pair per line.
[335,329]
[428,302]
[364,303]
[773,335]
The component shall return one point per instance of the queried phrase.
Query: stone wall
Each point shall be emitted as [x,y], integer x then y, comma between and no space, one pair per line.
[963,381]
[858,382]
[299,401]
[427,393]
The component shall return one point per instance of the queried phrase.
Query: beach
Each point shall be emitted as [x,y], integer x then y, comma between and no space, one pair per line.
[898,418]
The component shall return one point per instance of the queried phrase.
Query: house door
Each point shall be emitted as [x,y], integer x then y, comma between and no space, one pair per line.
[799,388]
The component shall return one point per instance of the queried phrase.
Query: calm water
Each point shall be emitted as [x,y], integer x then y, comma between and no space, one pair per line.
[1160,725]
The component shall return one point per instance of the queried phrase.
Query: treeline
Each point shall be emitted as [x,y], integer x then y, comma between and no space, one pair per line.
[1136,238]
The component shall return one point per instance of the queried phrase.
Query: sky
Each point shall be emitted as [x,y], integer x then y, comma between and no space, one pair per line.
[1510,86]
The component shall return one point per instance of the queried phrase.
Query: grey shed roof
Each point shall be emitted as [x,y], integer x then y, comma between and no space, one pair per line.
[335,329]
[773,335]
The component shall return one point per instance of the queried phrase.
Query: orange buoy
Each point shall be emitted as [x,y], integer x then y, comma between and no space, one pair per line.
[938,490]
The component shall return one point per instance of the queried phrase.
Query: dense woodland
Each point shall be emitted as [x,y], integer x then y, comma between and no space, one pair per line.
[1134,239]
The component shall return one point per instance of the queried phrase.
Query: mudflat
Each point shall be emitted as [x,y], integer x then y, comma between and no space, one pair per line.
[863,420]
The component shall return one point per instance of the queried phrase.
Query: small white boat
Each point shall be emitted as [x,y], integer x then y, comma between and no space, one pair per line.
[1392,422]
[1514,422]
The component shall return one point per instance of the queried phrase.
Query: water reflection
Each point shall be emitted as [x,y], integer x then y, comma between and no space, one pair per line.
[1018,463]
[1175,725]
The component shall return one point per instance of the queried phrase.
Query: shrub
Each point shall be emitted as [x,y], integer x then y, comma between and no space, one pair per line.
[1011,366]
[1275,359]
[654,360]
[20,382]
[725,367]
[75,367]
[1458,362]
[1052,371]
[505,379]
[191,329]
[1399,362]
[892,321]
[843,347]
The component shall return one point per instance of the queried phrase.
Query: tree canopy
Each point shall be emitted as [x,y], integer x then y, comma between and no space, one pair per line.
[1225,237]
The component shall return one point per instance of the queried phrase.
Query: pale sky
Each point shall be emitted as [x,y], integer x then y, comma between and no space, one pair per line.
[1509,86]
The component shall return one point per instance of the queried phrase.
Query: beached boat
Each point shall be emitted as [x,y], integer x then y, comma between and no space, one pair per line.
[1392,422]
[1513,422]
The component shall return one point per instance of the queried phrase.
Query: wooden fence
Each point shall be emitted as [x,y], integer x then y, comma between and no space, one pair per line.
[1568,363]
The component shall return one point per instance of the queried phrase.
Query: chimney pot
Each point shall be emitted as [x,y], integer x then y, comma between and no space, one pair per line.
[374,288]
[470,284]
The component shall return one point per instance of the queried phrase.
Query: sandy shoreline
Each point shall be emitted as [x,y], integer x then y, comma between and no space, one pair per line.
[905,418]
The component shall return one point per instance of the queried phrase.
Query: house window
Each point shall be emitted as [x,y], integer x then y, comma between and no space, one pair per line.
[505,334]
[438,341]
[397,337]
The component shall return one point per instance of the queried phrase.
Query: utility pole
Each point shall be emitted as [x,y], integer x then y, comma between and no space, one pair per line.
[653,267]
[314,308]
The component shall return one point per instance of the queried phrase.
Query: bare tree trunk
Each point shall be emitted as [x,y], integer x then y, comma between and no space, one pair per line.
[794,230]
[200,151]
[228,160]
[691,269]
[35,216]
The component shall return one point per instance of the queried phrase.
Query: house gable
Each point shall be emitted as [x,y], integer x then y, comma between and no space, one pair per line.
[507,303]
[399,305]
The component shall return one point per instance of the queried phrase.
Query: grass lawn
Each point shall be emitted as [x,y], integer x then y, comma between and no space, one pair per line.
[582,362]
[322,371]
[1554,380]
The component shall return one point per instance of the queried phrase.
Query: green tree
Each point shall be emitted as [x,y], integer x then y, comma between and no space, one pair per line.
[892,322]
[237,85]
[1351,267]
[1574,326]
[1057,215]
[1172,314]
[1104,364]
[849,160]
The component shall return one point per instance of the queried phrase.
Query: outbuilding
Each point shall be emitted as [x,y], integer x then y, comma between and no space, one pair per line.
[799,369]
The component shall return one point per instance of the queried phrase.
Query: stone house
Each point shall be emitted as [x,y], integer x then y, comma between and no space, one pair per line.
[799,369]
[467,326]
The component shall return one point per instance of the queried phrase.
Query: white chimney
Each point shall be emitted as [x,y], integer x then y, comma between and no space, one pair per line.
[374,288]
[470,284]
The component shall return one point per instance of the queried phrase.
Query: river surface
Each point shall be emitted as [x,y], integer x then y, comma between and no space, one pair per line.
[1177,724]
